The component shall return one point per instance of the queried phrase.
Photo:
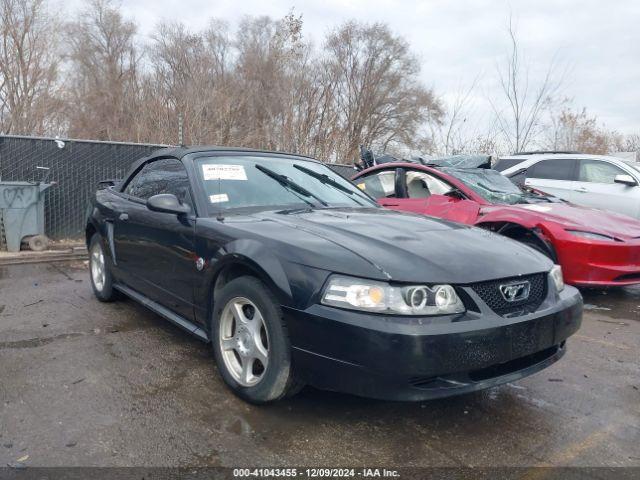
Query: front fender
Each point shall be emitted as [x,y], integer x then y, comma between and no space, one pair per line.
[294,285]
[526,221]
[543,231]
[95,222]
[255,256]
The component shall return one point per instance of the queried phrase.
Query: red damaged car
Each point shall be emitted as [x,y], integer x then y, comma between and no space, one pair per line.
[594,248]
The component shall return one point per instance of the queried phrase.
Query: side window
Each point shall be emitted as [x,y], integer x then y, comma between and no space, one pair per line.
[504,163]
[177,181]
[557,169]
[597,171]
[379,185]
[161,176]
[519,177]
[132,185]
[422,185]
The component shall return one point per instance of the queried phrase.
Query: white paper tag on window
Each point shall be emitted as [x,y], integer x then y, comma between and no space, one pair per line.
[219,198]
[223,172]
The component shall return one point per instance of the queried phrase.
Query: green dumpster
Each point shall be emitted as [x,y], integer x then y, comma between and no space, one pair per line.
[22,215]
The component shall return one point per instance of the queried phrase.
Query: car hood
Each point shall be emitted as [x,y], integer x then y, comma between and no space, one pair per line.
[579,218]
[406,247]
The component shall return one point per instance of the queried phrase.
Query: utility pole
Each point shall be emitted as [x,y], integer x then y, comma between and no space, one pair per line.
[180,130]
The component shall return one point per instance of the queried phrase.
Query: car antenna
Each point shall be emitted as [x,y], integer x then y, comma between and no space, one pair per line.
[219,216]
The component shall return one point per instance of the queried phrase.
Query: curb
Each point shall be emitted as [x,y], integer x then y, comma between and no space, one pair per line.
[27,258]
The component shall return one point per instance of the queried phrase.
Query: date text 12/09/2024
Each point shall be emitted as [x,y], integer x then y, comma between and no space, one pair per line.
[315,472]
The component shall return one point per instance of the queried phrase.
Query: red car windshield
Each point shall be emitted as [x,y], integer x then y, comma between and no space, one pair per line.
[493,186]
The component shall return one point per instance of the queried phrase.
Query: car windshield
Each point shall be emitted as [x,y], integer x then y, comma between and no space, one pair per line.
[494,187]
[274,182]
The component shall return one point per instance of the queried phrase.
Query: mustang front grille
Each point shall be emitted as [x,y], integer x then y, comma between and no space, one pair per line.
[490,293]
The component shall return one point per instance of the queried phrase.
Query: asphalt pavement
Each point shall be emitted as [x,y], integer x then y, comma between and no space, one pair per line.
[84,383]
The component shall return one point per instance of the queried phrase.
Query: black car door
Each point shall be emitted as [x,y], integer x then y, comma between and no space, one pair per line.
[155,250]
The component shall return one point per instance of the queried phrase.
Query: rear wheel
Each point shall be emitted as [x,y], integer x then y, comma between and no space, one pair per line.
[250,342]
[100,271]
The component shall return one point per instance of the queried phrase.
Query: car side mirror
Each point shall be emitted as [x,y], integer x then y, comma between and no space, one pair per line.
[167,203]
[625,180]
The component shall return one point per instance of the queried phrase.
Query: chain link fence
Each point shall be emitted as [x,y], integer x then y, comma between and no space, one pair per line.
[75,165]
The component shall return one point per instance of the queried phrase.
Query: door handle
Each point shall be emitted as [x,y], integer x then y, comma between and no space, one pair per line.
[581,190]
[124,216]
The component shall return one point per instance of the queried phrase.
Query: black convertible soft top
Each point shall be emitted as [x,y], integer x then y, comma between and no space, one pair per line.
[179,152]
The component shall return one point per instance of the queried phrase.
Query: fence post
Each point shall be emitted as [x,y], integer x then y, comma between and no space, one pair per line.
[180,131]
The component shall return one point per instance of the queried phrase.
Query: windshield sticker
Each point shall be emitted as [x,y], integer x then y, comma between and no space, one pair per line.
[362,186]
[537,208]
[219,198]
[224,172]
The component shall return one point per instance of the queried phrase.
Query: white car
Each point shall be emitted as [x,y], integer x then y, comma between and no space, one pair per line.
[598,181]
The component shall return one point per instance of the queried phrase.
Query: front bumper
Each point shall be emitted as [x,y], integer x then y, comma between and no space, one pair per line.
[595,263]
[408,358]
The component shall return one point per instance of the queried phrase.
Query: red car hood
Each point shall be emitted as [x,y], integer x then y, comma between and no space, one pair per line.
[575,217]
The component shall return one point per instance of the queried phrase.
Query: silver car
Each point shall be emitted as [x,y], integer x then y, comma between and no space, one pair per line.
[603,182]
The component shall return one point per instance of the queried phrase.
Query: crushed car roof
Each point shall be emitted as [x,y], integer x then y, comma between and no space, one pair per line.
[460,161]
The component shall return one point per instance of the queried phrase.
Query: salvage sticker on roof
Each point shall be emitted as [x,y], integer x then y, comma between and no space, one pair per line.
[223,172]
[219,198]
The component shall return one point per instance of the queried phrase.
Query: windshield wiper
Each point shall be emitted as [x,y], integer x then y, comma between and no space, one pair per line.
[530,193]
[327,180]
[482,185]
[291,185]
[538,197]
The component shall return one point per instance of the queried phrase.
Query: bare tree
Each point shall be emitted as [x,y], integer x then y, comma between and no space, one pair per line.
[261,86]
[577,130]
[311,118]
[520,121]
[304,115]
[191,77]
[632,144]
[29,66]
[271,55]
[454,133]
[103,80]
[378,96]
[258,89]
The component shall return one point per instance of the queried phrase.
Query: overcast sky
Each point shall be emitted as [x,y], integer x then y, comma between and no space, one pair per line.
[456,40]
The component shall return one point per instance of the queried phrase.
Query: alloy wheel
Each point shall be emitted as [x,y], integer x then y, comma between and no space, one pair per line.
[244,341]
[98,273]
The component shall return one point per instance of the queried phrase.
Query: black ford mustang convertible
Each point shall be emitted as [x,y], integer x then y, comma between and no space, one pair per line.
[297,277]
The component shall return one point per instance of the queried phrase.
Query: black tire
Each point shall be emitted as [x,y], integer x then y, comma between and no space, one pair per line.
[38,243]
[277,380]
[3,239]
[106,293]
[537,245]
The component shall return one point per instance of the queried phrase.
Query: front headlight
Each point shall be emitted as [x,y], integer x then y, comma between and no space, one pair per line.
[556,276]
[591,235]
[372,296]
